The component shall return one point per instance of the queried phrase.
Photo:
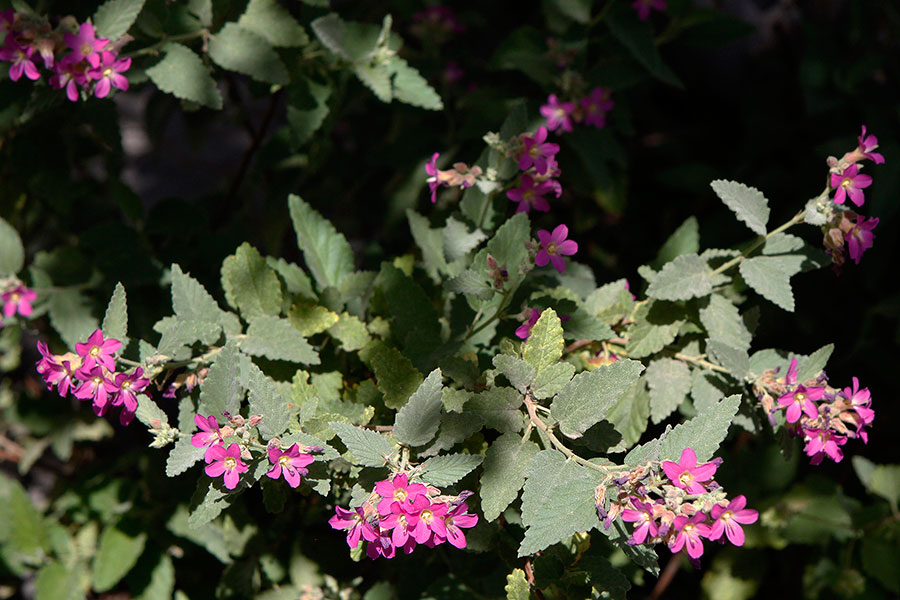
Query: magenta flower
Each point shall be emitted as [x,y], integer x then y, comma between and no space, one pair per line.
[596,106]
[643,7]
[69,74]
[689,533]
[727,520]
[430,523]
[128,387]
[19,300]
[687,474]
[802,399]
[529,195]
[791,376]
[98,351]
[822,442]
[355,523]
[381,546]
[645,519]
[454,521]
[95,386]
[21,59]
[866,145]
[850,183]
[292,464]
[108,73]
[209,432]
[56,370]
[225,460]
[432,171]
[861,399]
[524,330]
[538,152]
[403,518]
[398,490]
[554,246]
[558,114]
[860,237]
[85,45]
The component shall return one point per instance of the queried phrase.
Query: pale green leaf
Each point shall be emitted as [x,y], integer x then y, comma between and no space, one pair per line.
[309,318]
[748,203]
[183,74]
[735,360]
[327,253]
[277,339]
[590,395]
[770,277]
[241,50]
[22,528]
[272,21]
[149,413]
[545,344]
[809,367]
[114,18]
[411,88]
[669,381]
[517,587]
[506,464]
[117,553]
[211,536]
[304,119]
[12,253]
[882,480]
[350,332]
[397,378]
[610,303]
[71,317]
[447,469]
[454,400]
[519,373]
[705,389]
[191,301]
[631,415]
[508,244]
[656,325]
[203,10]
[454,428]
[183,456]
[296,281]
[558,501]
[162,580]
[368,448]
[222,390]
[250,285]
[470,283]
[458,240]
[375,77]
[687,276]
[265,399]
[419,419]
[605,578]
[551,380]
[685,240]
[500,407]
[56,581]
[723,323]
[430,242]
[177,334]
[115,320]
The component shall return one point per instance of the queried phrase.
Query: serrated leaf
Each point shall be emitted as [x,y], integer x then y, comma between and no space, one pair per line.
[117,553]
[327,253]
[458,240]
[210,537]
[631,415]
[21,525]
[369,448]
[277,339]
[71,317]
[309,318]
[557,502]
[454,400]
[685,240]
[430,242]
[12,252]
[222,390]
[270,20]
[411,88]
[724,324]
[447,469]
[748,203]
[882,480]
[551,380]
[419,419]
[687,276]
[149,413]
[735,360]
[202,9]
[115,320]
[770,276]
[114,18]
[656,325]
[590,395]
[265,399]
[178,333]
[183,456]
[415,323]
[470,283]
[375,77]
[238,49]
[508,244]
[350,332]
[304,121]
[500,407]
[545,344]
[250,285]
[704,390]
[454,429]
[611,302]
[397,378]
[347,40]
[519,373]
[605,578]
[517,587]
[810,366]
[669,381]
[506,464]
[191,301]
[183,74]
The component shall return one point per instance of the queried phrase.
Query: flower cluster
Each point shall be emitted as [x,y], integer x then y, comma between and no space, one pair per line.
[76,59]
[676,503]
[15,299]
[824,416]
[845,231]
[590,110]
[90,374]
[460,175]
[537,161]
[400,514]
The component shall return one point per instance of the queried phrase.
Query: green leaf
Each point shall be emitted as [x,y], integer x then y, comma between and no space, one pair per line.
[610,303]
[605,578]
[12,253]
[470,283]
[397,378]
[115,320]
[735,360]
[669,381]
[250,285]
[162,580]
[637,37]
[202,9]
[114,18]
[557,502]
[656,325]
[117,553]
[183,456]
[327,253]
[309,318]
[210,537]
[222,390]
[375,77]
[508,244]
[631,414]
[590,395]
[272,21]
[265,399]
[191,301]
[419,419]
[238,49]
[723,323]
[458,240]
[55,581]
[430,242]
[411,88]
[810,366]
[447,469]
[22,529]
[177,334]
[277,339]
[296,281]
[415,323]
[500,407]
[149,413]
[685,240]
[350,332]
[305,120]
[705,389]
[748,203]
[770,276]
[183,74]
[545,344]
[882,480]
[71,317]
[551,380]
[506,464]
[687,276]
[368,448]
[517,587]
[519,373]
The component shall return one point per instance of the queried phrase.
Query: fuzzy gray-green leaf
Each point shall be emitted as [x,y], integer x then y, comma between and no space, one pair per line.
[590,395]
[748,203]
[369,448]
[669,381]
[686,276]
[506,465]
[419,419]
[277,339]
[447,469]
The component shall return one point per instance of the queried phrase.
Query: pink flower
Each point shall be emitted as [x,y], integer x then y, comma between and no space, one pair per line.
[108,73]
[850,183]
[85,45]
[98,351]
[398,490]
[225,460]
[381,546]
[433,181]
[822,442]
[56,370]
[860,237]
[596,106]
[403,518]
[558,114]
[801,400]
[524,330]
[292,464]
[538,152]
[687,474]
[128,386]
[866,145]
[20,57]
[355,523]
[95,385]
[689,533]
[791,376]
[430,523]
[454,520]
[643,7]
[69,74]
[861,399]
[727,520]
[19,300]
[644,516]
[209,432]
[529,195]
[554,246]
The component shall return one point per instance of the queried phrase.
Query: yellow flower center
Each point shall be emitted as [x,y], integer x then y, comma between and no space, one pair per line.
[686,478]
[399,495]
[284,460]
[95,351]
[688,528]
[86,49]
[427,516]
[847,182]
[126,385]
[528,196]
[727,516]
[107,72]
[230,463]
[800,397]
[97,380]
[551,248]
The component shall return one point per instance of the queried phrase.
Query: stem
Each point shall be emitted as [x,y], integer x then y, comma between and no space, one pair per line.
[759,242]
[698,360]
[497,314]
